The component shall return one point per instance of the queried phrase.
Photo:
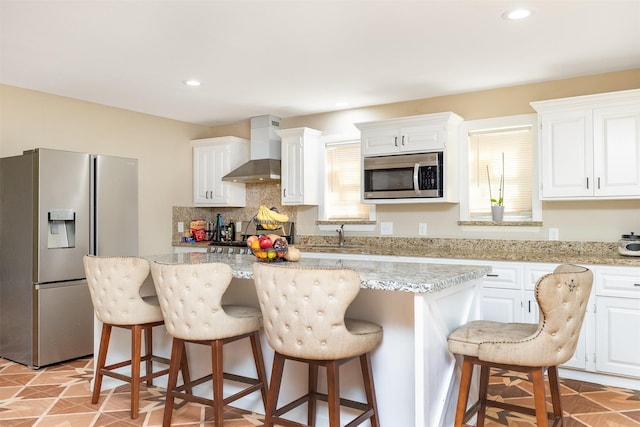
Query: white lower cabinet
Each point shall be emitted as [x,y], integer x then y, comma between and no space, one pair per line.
[500,305]
[502,293]
[618,321]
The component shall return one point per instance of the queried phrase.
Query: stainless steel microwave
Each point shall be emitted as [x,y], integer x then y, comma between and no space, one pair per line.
[403,176]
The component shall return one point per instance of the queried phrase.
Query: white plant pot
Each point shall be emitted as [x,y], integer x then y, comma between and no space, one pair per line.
[497,213]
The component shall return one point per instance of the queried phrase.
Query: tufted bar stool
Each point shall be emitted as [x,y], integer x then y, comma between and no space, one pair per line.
[114,285]
[304,321]
[190,297]
[562,298]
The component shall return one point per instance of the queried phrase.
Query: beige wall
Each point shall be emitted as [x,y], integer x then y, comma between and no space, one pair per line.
[31,119]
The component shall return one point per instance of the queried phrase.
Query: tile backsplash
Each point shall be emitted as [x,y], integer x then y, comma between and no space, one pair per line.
[267,194]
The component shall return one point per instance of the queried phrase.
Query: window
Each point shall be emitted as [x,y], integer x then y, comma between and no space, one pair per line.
[487,142]
[342,185]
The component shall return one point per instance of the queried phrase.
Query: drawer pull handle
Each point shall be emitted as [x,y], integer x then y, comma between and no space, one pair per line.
[636,284]
[492,275]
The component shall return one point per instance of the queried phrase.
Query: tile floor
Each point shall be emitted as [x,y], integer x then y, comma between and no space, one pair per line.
[59,396]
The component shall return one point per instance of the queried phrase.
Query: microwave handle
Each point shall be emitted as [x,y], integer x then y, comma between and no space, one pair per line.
[416,169]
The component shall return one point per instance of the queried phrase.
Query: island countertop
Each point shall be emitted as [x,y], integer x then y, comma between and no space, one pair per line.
[380,275]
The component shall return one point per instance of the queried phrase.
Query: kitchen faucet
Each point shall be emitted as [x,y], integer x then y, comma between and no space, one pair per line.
[340,235]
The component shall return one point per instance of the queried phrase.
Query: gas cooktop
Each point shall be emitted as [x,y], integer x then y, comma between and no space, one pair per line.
[234,244]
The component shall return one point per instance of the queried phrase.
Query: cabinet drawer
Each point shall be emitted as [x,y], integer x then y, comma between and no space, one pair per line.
[618,282]
[502,276]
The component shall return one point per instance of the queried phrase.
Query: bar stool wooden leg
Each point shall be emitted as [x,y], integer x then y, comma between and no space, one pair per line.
[148,351]
[537,375]
[136,344]
[256,349]
[184,368]
[484,387]
[177,352]
[554,386]
[274,389]
[463,393]
[369,389]
[312,393]
[333,392]
[218,373]
[100,363]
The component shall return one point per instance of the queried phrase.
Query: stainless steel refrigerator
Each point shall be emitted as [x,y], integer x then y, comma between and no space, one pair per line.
[55,207]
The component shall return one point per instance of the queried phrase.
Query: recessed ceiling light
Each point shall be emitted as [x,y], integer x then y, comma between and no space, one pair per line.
[193,83]
[519,13]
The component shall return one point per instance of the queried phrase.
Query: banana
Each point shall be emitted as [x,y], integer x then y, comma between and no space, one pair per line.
[269,218]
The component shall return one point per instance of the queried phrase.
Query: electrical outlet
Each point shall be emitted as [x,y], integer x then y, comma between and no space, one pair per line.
[422,229]
[554,234]
[386,228]
[181,227]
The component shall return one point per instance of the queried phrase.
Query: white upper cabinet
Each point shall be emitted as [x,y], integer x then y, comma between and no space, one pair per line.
[301,159]
[590,146]
[213,158]
[429,132]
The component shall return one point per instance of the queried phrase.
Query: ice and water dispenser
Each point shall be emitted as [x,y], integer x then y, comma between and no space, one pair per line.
[62,228]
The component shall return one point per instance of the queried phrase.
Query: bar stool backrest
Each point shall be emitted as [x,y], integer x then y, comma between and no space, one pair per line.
[190,297]
[304,309]
[114,285]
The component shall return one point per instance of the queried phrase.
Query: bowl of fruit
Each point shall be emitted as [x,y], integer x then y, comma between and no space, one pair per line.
[268,248]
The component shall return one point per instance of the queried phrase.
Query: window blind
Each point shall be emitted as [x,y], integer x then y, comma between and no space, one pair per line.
[485,151]
[342,193]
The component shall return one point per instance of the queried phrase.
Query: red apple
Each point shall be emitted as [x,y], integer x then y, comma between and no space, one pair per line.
[265,242]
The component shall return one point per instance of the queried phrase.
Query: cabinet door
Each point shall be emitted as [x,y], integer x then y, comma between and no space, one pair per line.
[566,154]
[204,161]
[213,158]
[422,138]
[617,151]
[618,336]
[385,140]
[502,305]
[301,156]
[292,170]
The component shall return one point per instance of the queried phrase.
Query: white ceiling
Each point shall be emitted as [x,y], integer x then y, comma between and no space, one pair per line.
[291,58]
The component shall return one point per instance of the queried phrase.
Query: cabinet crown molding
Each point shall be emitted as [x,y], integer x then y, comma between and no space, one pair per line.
[588,101]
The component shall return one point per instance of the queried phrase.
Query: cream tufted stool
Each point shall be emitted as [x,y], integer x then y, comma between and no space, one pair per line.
[190,298]
[114,284]
[303,310]
[562,297]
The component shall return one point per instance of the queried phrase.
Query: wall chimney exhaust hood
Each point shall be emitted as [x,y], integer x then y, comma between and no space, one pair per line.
[264,165]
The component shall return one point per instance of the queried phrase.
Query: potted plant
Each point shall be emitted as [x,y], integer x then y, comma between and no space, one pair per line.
[497,204]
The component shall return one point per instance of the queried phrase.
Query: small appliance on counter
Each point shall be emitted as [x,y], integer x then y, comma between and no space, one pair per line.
[629,245]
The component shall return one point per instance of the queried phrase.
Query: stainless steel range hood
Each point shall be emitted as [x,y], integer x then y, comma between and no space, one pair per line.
[264,165]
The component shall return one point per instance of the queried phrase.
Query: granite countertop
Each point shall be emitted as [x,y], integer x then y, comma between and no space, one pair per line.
[586,253]
[380,275]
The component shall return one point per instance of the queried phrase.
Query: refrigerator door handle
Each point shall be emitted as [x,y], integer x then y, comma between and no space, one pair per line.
[53,285]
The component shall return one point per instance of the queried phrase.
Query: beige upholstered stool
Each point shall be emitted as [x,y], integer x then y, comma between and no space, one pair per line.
[304,320]
[190,298]
[562,297]
[114,284]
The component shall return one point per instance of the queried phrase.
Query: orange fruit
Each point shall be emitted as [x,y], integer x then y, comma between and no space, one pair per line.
[255,244]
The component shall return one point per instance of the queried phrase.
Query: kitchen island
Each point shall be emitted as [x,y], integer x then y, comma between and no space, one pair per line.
[417,304]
